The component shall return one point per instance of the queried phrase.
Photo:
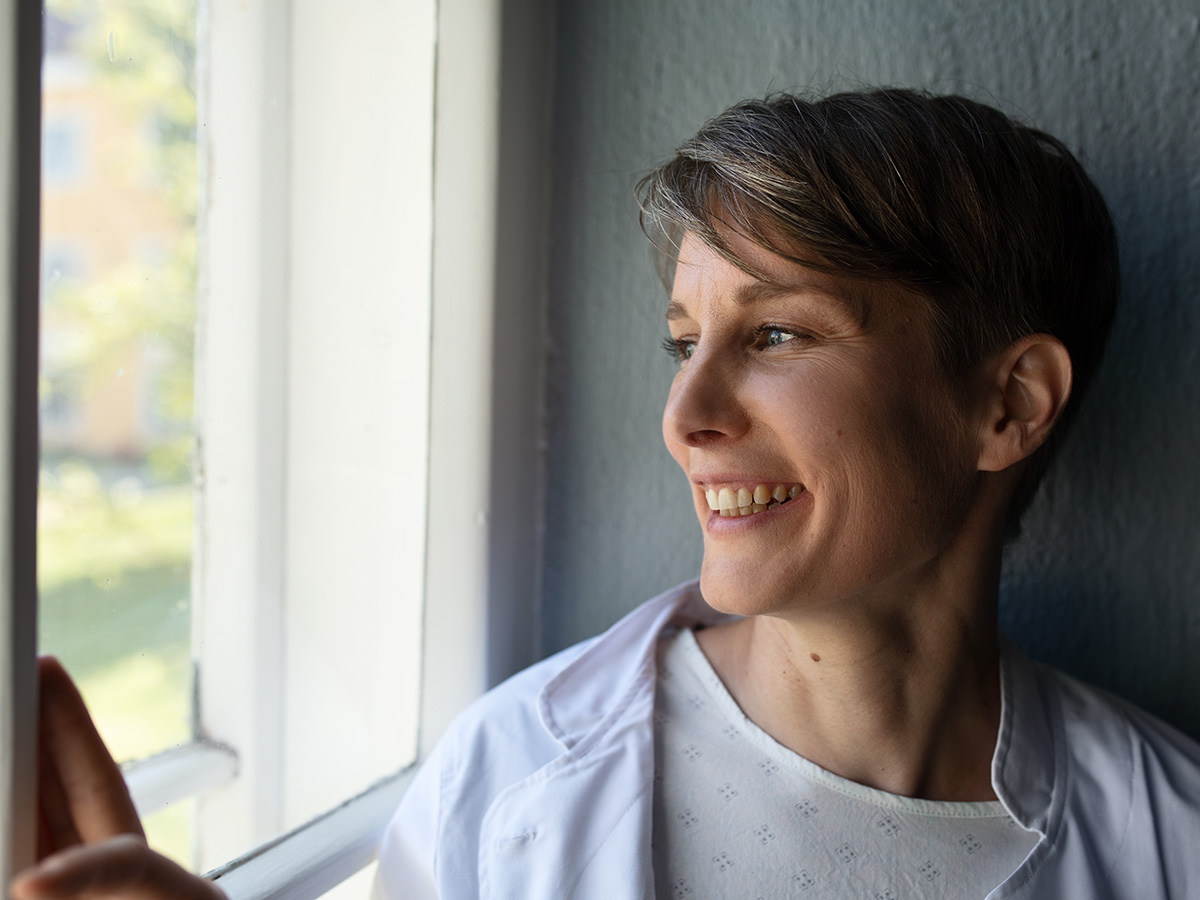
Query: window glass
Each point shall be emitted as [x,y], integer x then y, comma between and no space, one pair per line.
[62,149]
[115,513]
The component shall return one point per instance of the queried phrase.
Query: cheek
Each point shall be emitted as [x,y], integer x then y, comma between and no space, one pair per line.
[921,464]
[887,452]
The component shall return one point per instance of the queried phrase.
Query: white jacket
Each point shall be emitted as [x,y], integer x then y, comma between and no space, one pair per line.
[543,789]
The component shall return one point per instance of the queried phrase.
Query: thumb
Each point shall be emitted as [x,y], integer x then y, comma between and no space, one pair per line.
[121,868]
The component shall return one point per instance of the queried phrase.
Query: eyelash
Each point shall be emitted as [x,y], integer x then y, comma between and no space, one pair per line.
[681,349]
[678,349]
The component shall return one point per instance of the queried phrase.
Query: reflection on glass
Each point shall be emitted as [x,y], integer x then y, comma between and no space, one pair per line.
[118,273]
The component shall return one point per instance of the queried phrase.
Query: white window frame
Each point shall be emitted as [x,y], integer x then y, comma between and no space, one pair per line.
[490,209]
[312,372]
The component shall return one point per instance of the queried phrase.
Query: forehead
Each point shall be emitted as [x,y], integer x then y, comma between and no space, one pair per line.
[748,295]
[702,274]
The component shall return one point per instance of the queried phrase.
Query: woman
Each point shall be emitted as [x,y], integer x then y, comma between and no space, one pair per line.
[883,307]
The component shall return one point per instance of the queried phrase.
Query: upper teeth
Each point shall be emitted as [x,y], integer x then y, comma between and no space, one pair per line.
[745,501]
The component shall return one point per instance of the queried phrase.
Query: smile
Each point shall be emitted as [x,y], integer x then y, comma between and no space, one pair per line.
[744,501]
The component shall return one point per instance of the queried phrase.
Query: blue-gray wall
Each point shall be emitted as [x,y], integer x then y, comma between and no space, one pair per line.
[1105,581]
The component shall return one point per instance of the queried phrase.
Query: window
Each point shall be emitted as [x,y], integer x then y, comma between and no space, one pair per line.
[310,440]
[116,505]
[307,342]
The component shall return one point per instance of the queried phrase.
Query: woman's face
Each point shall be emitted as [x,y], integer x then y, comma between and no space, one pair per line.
[824,391]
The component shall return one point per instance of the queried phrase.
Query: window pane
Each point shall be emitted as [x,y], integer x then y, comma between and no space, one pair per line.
[116,507]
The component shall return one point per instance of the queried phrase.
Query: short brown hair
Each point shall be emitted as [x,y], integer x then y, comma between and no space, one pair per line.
[995,223]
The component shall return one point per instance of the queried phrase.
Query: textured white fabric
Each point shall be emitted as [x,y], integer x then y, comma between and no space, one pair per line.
[738,816]
[543,789]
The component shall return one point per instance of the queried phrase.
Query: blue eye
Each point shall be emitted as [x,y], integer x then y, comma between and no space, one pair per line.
[774,335]
[678,349]
[778,336]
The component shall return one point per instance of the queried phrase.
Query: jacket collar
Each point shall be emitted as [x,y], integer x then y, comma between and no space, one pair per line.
[622,659]
[1025,765]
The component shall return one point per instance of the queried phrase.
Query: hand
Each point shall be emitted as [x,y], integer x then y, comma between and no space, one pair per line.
[118,868]
[82,796]
[90,841]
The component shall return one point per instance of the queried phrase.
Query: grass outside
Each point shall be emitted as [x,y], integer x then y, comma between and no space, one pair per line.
[114,584]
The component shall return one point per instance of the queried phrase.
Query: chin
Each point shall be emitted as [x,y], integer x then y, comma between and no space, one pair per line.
[727,592]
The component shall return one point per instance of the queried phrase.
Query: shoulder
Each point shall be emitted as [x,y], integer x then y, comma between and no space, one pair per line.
[1103,731]
[507,718]
[431,844]
[509,734]
[1132,792]
[547,708]
[1114,791]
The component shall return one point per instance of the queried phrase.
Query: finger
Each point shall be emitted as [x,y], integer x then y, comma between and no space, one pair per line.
[56,828]
[121,868]
[92,786]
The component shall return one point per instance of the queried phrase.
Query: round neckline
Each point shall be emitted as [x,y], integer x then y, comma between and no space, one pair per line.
[685,639]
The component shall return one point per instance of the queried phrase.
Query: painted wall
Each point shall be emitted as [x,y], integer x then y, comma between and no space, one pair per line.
[1106,580]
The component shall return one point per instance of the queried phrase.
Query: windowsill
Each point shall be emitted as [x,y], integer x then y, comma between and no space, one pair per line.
[310,860]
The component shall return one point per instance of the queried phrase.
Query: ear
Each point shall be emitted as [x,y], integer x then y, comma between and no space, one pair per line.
[1027,387]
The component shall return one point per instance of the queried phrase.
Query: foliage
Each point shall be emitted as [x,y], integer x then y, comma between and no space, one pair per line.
[144,54]
[87,531]
[141,57]
[135,310]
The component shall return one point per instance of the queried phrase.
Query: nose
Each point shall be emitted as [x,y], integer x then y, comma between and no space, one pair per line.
[704,405]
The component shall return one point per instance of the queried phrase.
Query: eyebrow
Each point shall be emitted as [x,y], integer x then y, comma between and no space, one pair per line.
[762,291]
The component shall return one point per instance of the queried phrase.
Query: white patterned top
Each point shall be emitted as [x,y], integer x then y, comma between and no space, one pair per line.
[738,815]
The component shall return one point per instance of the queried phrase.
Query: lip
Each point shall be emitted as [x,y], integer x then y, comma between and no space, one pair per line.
[716,524]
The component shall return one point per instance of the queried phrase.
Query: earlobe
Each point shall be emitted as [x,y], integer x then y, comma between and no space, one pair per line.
[1029,384]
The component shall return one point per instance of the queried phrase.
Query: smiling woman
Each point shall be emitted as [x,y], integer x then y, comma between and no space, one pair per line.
[883,306]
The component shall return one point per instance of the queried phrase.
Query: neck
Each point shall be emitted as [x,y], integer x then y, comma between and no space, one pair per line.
[900,694]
